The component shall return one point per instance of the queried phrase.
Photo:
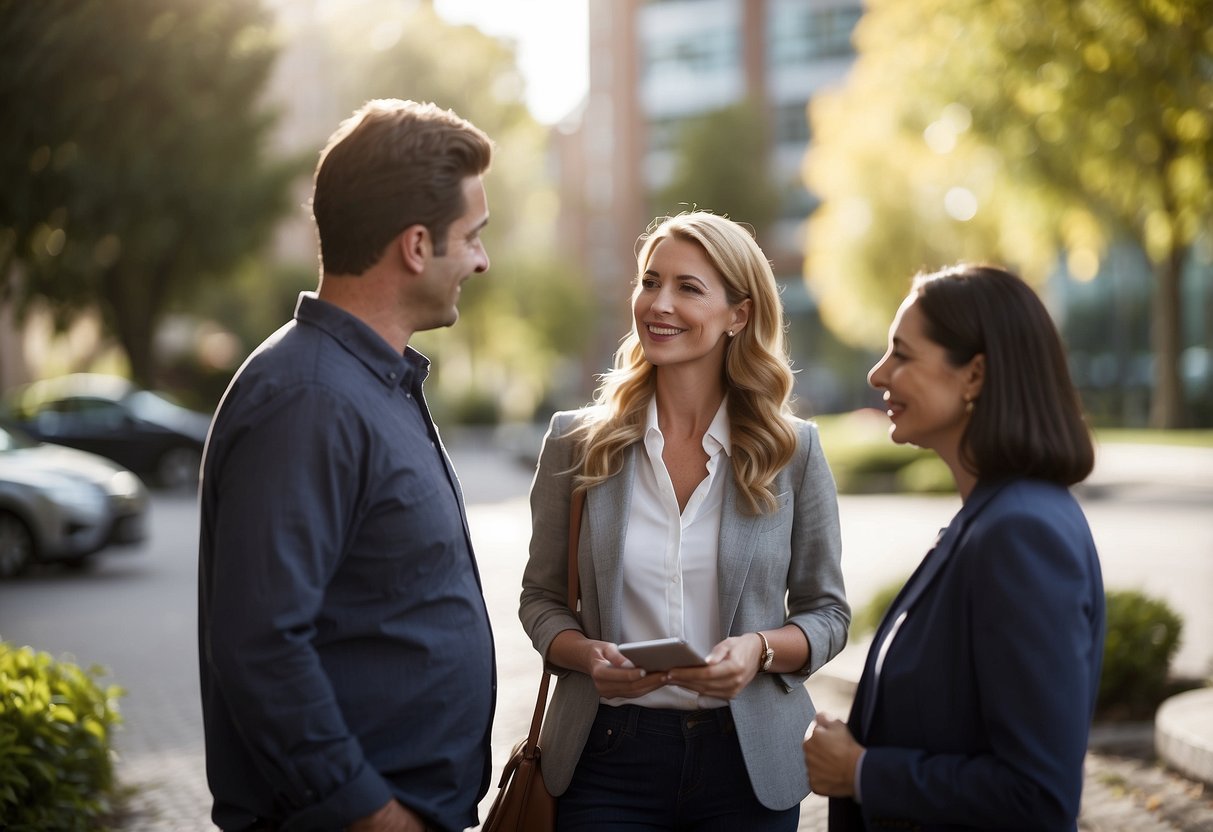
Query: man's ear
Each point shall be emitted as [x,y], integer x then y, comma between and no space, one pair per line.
[415,247]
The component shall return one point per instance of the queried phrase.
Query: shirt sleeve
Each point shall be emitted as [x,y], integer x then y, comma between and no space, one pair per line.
[286,485]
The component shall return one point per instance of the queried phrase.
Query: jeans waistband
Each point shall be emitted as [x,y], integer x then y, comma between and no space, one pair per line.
[638,719]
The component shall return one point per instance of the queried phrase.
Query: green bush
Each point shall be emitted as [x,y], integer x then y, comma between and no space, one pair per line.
[1143,635]
[867,618]
[864,460]
[475,407]
[55,726]
[927,475]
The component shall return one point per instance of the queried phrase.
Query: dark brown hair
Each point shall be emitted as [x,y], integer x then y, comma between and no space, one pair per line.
[391,165]
[1028,419]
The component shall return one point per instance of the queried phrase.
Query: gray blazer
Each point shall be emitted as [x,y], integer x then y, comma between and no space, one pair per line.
[774,569]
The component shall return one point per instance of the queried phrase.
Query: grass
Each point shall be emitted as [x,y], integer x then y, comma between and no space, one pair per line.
[1145,436]
[864,460]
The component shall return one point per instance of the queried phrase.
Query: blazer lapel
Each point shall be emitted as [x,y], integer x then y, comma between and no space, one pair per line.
[607,512]
[923,577]
[737,533]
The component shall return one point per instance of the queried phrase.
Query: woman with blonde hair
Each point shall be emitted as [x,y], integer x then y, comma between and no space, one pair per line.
[711,517]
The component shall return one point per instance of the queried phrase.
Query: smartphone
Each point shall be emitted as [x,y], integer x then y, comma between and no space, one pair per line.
[662,654]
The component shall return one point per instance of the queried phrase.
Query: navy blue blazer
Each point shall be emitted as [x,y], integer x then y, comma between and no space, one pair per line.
[976,699]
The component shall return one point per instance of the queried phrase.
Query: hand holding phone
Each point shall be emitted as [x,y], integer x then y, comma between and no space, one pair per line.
[662,654]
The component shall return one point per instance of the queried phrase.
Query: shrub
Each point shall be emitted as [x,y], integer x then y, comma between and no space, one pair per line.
[55,725]
[927,475]
[864,460]
[1143,635]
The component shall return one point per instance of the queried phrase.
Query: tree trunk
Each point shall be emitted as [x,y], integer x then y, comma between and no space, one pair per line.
[1166,403]
[133,308]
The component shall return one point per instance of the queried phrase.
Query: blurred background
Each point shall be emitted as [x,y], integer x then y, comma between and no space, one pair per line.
[157,154]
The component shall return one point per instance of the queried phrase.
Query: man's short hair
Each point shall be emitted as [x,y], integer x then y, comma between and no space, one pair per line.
[391,165]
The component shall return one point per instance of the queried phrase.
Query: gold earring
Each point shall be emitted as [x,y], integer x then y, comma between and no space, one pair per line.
[968,404]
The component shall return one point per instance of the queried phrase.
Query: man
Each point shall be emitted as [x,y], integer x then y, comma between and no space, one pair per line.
[347,664]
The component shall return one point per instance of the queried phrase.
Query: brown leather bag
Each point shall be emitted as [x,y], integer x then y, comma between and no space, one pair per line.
[523,803]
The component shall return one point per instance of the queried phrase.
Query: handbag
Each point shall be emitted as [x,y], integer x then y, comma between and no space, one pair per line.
[523,803]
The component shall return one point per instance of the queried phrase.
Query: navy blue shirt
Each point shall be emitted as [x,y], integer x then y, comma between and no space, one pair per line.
[346,656]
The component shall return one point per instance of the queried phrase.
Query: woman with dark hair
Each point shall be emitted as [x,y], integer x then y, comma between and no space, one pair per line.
[976,700]
[710,516]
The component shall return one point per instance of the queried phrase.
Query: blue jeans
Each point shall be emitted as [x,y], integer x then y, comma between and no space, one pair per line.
[648,769]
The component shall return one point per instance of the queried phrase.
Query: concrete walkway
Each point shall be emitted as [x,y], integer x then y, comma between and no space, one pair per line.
[160,746]
[1183,726]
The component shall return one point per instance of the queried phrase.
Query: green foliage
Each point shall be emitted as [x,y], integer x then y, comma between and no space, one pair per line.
[926,475]
[134,154]
[1188,438]
[867,618]
[55,726]
[474,408]
[520,322]
[721,166]
[1143,635]
[864,460]
[1021,130]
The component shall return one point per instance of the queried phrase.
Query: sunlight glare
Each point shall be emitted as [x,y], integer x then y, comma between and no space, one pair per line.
[553,46]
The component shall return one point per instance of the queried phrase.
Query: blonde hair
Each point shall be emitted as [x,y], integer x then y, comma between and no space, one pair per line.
[757,375]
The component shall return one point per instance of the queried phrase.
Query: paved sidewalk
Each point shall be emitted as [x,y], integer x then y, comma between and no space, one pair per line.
[1125,789]
[161,752]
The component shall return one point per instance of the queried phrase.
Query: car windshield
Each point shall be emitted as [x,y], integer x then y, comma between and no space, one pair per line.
[11,439]
[152,407]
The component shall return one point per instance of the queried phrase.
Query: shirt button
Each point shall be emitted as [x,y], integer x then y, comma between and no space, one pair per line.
[392,376]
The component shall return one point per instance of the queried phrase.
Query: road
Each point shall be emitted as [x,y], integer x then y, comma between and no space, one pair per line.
[134,611]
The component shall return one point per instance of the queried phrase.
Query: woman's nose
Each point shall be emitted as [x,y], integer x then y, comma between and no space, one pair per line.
[664,302]
[876,374]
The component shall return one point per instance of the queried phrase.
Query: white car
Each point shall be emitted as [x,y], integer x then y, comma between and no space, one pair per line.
[61,504]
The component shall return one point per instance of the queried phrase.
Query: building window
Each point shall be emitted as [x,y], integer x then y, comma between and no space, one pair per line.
[792,123]
[799,35]
[664,133]
[704,53]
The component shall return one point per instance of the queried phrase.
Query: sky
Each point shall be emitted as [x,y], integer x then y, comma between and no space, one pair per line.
[552,38]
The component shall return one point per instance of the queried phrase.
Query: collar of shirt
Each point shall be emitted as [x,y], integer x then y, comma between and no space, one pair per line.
[715,438]
[359,340]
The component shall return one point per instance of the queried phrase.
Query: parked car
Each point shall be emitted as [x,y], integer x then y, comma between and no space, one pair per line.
[63,504]
[108,415]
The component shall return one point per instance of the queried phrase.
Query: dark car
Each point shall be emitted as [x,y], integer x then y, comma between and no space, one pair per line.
[110,416]
[61,504]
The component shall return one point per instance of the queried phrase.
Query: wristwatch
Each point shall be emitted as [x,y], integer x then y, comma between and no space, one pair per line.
[767,657]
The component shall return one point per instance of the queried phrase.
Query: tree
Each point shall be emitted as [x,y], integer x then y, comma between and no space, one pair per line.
[133,155]
[520,323]
[1027,130]
[722,165]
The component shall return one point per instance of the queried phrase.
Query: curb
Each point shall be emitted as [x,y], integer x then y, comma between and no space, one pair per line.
[1183,734]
